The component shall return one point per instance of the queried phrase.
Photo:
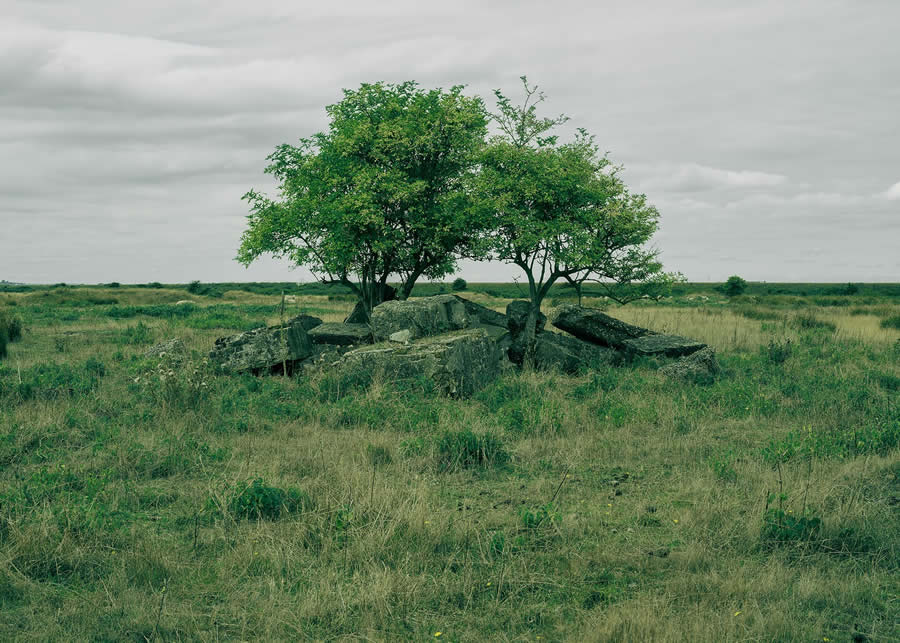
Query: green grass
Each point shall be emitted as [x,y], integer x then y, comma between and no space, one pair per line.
[150,499]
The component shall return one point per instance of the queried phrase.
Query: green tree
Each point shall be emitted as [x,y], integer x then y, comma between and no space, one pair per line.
[735,286]
[381,194]
[558,210]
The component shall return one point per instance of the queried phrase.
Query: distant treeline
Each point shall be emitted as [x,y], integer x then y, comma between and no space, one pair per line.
[502,290]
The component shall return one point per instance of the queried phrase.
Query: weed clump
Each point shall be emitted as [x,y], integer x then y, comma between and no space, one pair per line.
[259,501]
[465,450]
[891,322]
[808,321]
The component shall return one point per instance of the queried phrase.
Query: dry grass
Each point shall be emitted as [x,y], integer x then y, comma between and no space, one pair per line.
[655,492]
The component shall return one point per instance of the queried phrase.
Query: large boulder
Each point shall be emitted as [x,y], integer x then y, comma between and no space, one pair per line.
[517,316]
[262,349]
[307,321]
[663,345]
[459,363]
[482,315]
[595,326]
[701,363]
[562,352]
[358,315]
[422,317]
[341,334]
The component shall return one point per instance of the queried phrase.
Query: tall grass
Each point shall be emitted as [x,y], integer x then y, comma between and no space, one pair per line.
[157,500]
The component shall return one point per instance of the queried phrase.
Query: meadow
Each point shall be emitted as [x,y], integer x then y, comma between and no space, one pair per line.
[156,499]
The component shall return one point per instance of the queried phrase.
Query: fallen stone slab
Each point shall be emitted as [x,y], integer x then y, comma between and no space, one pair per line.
[358,315]
[595,326]
[563,352]
[517,316]
[702,363]
[341,334]
[459,363]
[482,315]
[424,317]
[262,349]
[307,321]
[663,345]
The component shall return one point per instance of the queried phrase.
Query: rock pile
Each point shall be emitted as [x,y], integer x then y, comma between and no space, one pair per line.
[455,343]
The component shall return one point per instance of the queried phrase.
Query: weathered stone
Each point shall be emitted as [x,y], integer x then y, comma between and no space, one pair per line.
[517,316]
[358,315]
[262,348]
[172,348]
[665,345]
[458,363]
[595,326]
[401,336]
[703,363]
[307,321]
[563,352]
[482,315]
[422,317]
[341,334]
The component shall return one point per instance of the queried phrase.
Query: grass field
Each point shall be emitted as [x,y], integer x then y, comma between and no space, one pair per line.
[156,500]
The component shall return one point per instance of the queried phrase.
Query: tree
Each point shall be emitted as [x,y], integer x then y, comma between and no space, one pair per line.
[558,211]
[379,195]
[735,286]
[459,284]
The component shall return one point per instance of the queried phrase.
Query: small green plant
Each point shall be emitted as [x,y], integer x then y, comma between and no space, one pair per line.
[778,352]
[532,518]
[257,500]
[782,526]
[465,449]
[734,286]
[891,322]
[459,284]
[723,466]
[808,321]
[136,335]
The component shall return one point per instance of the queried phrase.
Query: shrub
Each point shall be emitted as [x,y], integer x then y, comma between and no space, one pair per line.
[459,284]
[734,286]
[784,527]
[12,325]
[778,352]
[194,287]
[808,321]
[4,340]
[257,500]
[464,450]
[891,322]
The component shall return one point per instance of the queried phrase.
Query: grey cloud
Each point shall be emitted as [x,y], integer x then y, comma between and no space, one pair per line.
[764,131]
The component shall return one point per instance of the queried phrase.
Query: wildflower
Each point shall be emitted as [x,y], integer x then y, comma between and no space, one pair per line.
[609,504]
[737,613]
[675,520]
[437,634]
[488,584]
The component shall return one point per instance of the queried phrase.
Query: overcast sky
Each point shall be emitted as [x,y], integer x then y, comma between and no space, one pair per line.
[767,133]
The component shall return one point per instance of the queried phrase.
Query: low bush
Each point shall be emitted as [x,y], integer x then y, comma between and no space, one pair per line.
[259,501]
[891,322]
[808,321]
[465,449]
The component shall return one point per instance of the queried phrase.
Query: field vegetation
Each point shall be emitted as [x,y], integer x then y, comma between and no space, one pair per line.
[155,499]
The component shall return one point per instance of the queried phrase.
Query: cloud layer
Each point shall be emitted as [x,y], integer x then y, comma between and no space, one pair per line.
[764,132]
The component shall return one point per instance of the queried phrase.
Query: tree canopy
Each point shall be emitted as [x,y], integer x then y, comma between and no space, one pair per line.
[559,210]
[379,195]
[403,183]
